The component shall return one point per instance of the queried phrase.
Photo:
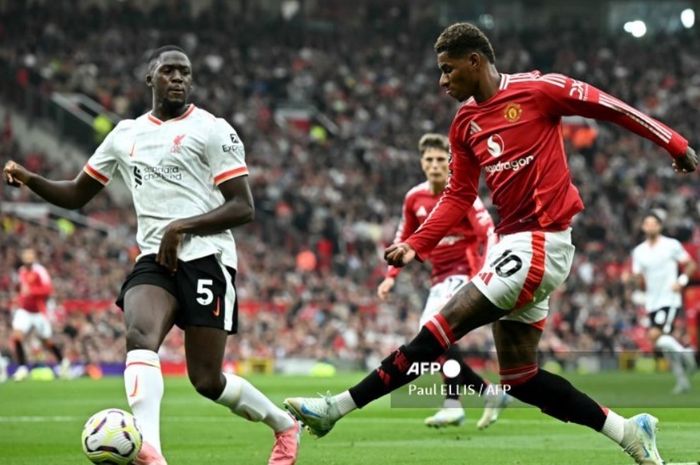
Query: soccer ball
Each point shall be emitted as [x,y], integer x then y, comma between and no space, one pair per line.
[111,437]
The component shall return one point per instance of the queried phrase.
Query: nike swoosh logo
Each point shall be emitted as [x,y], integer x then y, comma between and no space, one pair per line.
[136,388]
[308,412]
[217,310]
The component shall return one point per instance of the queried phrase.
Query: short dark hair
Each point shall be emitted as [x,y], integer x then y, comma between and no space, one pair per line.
[658,214]
[433,141]
[462,38]
[155,54]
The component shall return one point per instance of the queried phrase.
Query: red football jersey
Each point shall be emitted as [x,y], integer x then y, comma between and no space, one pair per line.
[515,137]
[34,288]
[463,248]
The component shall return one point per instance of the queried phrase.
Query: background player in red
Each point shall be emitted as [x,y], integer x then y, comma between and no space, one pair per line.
[35,288]
[454,261]
[509,127]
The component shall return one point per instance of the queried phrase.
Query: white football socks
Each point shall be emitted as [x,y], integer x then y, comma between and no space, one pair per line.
[614,427]
[246,401]
[345,403]
[143,382]
[451,403]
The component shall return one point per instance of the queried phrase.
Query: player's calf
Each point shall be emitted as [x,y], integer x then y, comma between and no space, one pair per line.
[554,395]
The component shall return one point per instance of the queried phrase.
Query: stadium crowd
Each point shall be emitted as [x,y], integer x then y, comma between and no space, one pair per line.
[328,193]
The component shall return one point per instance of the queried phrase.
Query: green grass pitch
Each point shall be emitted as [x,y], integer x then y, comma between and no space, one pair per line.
[40,423]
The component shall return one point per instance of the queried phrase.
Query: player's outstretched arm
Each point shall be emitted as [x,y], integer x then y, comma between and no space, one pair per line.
[456,200]
[237,209]
[67,194]
[566,96]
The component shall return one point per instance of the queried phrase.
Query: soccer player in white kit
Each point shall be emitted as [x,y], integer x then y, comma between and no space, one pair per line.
[655,265]
[187,174]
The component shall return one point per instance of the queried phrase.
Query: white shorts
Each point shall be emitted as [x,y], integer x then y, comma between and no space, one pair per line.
[523,269]
[440,294]
[25,321]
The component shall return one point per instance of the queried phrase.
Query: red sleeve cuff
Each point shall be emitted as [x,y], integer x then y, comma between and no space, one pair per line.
[677,146]
[392,272]
[230,174]
[96,175]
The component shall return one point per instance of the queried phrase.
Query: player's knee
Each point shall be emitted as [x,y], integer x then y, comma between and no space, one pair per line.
[136,339]
[654,334]
[518,378]
[208,385]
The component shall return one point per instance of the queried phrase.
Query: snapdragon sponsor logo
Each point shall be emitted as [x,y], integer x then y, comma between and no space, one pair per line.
[514,165]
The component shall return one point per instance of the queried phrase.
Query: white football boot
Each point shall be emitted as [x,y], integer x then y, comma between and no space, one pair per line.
[448,416]
[317,414]
[639,439]
[493,406]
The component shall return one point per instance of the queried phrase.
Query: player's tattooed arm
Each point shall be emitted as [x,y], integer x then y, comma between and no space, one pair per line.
[237,209]
[67,194]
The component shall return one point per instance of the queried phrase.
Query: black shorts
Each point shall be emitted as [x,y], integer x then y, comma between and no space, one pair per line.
[204,288]
[663,318]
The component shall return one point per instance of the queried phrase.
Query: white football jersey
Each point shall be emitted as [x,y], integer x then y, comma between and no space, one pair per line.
[658,263]
[173,169]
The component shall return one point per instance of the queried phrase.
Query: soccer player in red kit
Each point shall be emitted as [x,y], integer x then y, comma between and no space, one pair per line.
[454,261]
[35,288]
[509,126]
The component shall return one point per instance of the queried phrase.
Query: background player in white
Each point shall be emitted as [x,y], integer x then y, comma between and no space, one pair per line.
[655,267]
[35,288]
[454,261]
[188,178]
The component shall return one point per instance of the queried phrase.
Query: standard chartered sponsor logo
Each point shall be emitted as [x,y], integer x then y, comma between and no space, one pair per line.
[514,165]
[162,172]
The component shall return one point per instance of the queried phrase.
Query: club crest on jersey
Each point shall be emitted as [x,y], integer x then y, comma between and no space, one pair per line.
[177,144]
[512,112]
[495,145]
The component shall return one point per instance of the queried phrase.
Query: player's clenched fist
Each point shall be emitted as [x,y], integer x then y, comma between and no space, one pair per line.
[686,163]
[15,174]
[399,254]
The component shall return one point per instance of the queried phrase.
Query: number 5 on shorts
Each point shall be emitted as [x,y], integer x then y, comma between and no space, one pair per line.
[205,295]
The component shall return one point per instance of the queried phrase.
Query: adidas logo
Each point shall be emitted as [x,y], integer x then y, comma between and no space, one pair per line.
[422,211]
